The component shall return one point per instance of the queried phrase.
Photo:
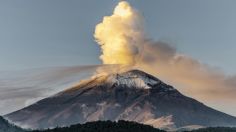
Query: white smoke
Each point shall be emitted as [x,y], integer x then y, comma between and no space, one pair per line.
[120,35]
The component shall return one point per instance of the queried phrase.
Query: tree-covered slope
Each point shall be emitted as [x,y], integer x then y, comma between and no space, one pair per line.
[105,126]
[5,126]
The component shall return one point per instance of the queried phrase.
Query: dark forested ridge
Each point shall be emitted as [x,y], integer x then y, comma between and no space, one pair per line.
[5,126]
[124,126]
[105,126]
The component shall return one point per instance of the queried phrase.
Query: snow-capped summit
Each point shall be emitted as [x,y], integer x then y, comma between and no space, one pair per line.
[130,79]
[135,79]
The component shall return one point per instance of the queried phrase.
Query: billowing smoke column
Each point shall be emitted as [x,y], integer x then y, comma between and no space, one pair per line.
[120,35]
[122,40]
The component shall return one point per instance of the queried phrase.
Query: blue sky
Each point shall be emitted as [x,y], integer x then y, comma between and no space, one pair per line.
[47,33]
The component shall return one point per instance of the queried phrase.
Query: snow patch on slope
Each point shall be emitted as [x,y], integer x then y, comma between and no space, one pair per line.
[164,122]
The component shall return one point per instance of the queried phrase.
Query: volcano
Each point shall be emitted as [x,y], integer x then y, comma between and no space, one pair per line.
[132,95]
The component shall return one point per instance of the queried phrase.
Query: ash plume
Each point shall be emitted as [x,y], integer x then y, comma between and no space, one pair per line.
[120,35]
[122,39]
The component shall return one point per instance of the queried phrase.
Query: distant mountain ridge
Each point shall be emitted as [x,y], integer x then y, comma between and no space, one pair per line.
[133,95]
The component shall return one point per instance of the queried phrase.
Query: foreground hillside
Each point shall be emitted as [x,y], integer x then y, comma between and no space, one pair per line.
[125,126]
[106,126]
[5,126]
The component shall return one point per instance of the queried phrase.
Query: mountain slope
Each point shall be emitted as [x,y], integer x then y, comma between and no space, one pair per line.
[24,87]
[5,126]
[133,95]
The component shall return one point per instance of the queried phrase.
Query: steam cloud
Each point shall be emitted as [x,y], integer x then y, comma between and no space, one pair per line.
[120,35]
[123,41]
